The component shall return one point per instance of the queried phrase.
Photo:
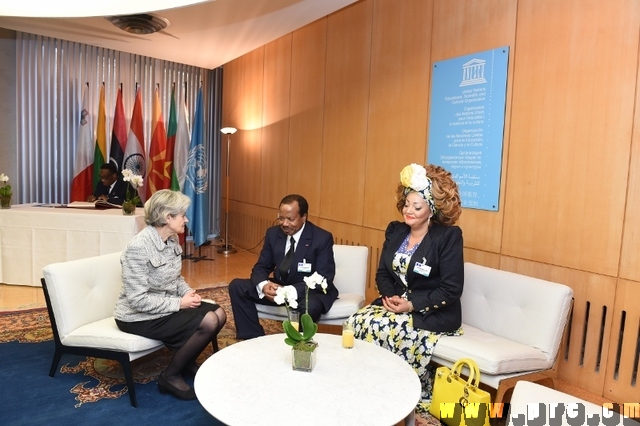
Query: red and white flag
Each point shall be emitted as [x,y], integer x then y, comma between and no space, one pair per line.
[82,184]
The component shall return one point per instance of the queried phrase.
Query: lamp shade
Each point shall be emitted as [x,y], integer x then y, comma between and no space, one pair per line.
[228,130]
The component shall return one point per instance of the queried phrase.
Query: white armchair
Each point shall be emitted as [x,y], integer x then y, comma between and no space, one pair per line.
[532,403]
[350,280]
[80,297]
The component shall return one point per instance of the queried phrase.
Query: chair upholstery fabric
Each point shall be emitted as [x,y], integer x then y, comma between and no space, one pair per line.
[350,280]
[513,323]
[81,296]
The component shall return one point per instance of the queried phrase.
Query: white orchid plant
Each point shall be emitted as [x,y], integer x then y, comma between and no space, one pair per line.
[288,296]
[134,181]
[5,189]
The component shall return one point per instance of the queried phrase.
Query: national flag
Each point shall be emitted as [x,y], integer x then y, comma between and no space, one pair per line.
[118,134]
[181,151]
[100,151]
[134,150]
[196,185]
[172,126]
[82,184]
[157,176]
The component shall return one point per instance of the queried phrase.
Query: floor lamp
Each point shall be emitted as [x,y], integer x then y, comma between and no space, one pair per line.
[227,249]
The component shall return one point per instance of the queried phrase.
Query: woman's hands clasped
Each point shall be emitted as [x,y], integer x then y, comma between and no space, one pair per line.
[396,304]
[190,300]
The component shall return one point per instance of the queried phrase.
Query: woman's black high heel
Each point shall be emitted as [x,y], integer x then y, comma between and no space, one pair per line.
[164,386]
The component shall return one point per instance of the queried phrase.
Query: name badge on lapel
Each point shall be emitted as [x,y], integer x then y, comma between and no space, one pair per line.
[422,268]
[304,267]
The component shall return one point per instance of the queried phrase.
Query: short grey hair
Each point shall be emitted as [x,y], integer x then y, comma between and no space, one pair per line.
[165,203]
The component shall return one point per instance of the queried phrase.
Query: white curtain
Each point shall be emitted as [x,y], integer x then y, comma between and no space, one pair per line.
[50,77]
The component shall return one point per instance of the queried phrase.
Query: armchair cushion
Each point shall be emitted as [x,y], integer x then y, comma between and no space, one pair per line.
[493,354]
[105,334]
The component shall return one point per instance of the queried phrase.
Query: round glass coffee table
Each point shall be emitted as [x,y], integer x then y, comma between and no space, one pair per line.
[252,383]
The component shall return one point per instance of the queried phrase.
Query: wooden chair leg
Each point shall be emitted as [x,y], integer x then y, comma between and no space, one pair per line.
[214,344]
[505,388]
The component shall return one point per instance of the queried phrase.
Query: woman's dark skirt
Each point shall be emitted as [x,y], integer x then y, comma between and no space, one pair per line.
[174,329]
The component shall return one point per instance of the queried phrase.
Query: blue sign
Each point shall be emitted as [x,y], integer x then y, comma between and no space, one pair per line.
[466,127]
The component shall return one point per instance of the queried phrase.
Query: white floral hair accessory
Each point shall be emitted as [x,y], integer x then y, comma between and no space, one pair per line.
[414,178]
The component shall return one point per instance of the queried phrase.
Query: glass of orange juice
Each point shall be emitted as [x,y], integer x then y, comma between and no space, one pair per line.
[294,319]
[347,335]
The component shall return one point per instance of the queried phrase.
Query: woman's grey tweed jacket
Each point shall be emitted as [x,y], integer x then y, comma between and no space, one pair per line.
[151,282]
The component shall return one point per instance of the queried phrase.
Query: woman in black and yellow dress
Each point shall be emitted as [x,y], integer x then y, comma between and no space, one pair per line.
[420,275]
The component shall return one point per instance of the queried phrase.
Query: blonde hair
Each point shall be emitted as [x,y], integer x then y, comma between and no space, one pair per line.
[445,195]
[165,203]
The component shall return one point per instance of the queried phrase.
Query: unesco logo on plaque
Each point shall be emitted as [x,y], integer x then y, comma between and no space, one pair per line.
[473,72]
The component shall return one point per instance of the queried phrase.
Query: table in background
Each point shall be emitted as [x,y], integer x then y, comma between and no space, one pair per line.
[252,383]
[33,237]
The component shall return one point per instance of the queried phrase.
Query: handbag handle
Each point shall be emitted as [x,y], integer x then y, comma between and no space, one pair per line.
[474,371]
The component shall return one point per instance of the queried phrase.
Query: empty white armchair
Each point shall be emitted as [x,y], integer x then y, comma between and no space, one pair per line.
[350,280]
[80,297]
[532,403]
[512,323]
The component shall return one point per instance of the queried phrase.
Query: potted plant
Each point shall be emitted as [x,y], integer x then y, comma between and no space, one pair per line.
[303,346]
[5,192]
[132,198]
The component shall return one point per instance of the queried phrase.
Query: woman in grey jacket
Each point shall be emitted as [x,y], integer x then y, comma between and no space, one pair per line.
[156,302]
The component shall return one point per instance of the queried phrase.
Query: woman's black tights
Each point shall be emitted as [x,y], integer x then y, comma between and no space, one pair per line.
[206,332]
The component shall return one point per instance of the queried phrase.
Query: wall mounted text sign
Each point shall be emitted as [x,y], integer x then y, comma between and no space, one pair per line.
[466,126]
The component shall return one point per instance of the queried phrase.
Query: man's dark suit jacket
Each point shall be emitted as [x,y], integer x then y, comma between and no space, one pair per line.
[117,194]
[436,298]
[315,247]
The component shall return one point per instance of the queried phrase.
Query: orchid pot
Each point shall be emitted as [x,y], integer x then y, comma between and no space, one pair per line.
[303,348]
[128,208]
[5,202]
[303,356]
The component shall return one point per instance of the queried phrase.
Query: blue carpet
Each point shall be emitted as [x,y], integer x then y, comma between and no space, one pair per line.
[28,396]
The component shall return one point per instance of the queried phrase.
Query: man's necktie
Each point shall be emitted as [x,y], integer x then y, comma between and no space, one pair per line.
[285,265]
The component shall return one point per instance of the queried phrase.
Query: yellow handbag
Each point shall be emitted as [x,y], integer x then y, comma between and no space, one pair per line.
[456,401]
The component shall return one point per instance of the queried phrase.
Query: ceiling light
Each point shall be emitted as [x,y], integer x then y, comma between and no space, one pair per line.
[139,24]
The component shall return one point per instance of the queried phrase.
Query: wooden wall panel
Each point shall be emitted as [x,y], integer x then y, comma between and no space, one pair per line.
[630,255]
[308,59]
[345,111]
[231,99]
[571,135]
[622,384]
[246,147]
[275,121]
[484,258]
[461,28]
[400,67]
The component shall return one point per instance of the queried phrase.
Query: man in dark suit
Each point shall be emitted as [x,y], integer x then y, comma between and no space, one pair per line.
[110,188]
[312,252]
